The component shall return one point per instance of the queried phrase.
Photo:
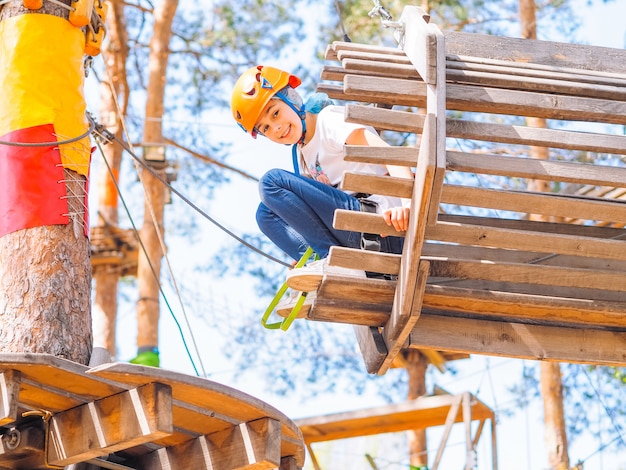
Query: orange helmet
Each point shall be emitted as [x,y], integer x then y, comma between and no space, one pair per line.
[253,90]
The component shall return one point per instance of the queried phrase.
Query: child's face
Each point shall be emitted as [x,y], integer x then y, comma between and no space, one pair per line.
[279,123]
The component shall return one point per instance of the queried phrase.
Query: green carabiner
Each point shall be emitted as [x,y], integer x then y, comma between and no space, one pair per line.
[285,323]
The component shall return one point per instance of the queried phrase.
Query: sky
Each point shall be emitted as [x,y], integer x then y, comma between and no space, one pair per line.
[519,431]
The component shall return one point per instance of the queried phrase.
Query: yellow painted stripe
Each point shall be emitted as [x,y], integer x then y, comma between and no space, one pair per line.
[42,80]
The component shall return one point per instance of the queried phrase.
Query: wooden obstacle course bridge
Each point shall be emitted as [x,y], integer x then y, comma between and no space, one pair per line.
[440,409]
[56,413]
[477,275]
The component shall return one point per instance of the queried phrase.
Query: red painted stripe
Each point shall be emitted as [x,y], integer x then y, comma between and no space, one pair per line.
[32,191]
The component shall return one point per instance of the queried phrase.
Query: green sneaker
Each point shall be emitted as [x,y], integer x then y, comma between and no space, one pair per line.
[147,358]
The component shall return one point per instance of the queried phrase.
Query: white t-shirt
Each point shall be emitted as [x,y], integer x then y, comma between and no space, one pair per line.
[323,154]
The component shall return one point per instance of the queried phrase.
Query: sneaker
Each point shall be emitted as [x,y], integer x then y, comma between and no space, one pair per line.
[147,358]
[309,277]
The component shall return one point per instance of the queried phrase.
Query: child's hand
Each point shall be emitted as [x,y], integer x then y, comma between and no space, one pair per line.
[398,218]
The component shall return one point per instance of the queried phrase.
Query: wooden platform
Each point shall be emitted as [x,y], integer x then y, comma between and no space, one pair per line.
[491,265]
[135,416]
[421,413]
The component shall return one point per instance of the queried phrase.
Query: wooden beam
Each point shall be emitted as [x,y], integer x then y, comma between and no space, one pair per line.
[524,308]
[374,184]
[523,240]
[528,274]
[381,118]
[554,56]
[253,445]
[9,396]
[480,99]
[110,424]
[420,413]
[541,137]
[557,205]
[372,346]
[419,43]
[401,322]
[517,340]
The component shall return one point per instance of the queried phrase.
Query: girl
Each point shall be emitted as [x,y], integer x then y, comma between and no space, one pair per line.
[297,209]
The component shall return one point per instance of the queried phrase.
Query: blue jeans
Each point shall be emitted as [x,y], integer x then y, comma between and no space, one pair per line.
[297,212]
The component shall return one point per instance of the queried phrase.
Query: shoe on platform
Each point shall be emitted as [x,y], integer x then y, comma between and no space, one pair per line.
[147,358]
[309,277]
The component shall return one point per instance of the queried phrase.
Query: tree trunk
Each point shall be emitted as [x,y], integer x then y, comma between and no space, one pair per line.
[114,101]
[45,273]
[554,418]
[149,268]
[551,381]
[416,365]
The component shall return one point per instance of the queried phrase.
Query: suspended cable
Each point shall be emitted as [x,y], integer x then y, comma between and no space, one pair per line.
[109,137]
[55,143]
[143,248]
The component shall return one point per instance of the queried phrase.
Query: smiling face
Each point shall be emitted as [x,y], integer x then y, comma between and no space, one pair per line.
[279,123]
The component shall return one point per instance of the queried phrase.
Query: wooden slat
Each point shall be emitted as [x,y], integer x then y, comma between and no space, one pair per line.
[528,274]
[524,308]
[253,445]
[483,99]
[372,347]
[419,43]
[400,156]
[524,135]
[342,46]
[381,118]
[110,424]
[363,222]
[533,203]
[522,341]
[523,240]
[421,413]
[374,184]
[400,323]
[9,395]
[372,261]
[558,55]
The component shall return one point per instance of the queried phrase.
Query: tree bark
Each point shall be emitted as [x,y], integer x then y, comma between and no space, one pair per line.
[45,273]
[551,380]
[149,268]
[416,365]
[113,104]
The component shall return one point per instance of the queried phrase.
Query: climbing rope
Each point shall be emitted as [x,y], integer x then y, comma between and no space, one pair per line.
[88,132]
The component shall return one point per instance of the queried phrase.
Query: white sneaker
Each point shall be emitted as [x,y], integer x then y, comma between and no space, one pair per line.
[309,277]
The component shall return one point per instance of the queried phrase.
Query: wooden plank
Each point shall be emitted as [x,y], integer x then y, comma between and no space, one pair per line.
[337,46]
[524,135]
[524,308]
[528,274]
[422,413]
[110,424]
[9,396]
[372,261]
[374,56]
[521,341]
[370,66]
[554,54]
[363,222]
[531,168]
[206,394]
[372,347]
[375,184]
[253,445]
[477,235]
[569,86]
[401,323]
[482,99]
[380,118]
[455,62]
[401,156]
[536,226]
[558,205]
[418,42]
